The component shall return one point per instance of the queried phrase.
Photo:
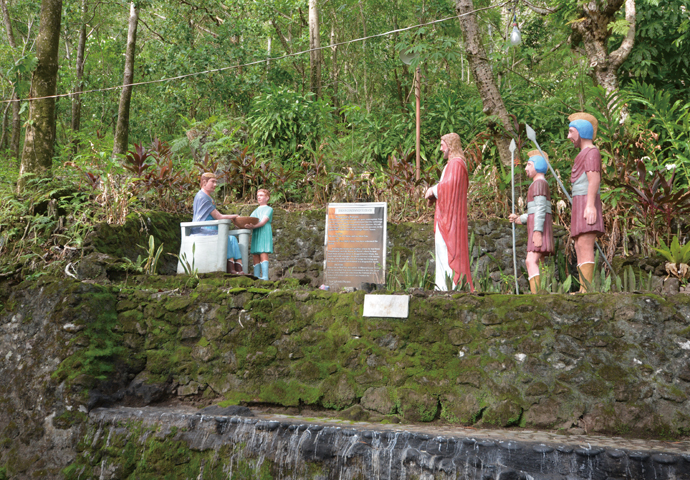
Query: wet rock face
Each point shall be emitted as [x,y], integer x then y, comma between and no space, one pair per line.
[42,417]
[261,448]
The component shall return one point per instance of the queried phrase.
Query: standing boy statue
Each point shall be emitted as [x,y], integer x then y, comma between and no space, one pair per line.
[538,218]
[450,219]
[587,222]
[262,234]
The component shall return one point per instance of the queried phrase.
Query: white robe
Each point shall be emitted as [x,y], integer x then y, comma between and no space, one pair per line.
[441,251]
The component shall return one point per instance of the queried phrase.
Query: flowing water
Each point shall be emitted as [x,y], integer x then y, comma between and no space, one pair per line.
[348,451]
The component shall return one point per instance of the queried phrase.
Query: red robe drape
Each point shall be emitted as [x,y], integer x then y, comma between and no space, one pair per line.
[451,217]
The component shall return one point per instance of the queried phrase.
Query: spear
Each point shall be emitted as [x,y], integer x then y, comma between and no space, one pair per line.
[533,137]
[512,183]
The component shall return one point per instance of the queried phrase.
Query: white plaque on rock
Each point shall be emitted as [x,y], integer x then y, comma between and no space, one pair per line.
[390,306]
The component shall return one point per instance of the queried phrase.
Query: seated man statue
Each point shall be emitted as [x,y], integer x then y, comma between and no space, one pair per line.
[205,210]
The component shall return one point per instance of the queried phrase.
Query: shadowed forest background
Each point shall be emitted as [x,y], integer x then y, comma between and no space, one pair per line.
[336,123]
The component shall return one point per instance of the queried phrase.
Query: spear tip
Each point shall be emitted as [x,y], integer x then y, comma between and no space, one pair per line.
[530,133]
[512,146]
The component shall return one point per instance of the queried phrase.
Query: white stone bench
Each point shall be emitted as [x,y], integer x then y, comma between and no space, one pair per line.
[210,251]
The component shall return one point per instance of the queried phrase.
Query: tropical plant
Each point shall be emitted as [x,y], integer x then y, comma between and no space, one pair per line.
[136,160]
[149,265]
[190,269]
[550,278]
[245,170]
[316,176]
[678,258]
[657,200]
[627,282]
[286,122]
[408,275]
[605,282]
[670,120]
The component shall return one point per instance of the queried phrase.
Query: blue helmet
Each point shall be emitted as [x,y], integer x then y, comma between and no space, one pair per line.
[539,162]
[584,128]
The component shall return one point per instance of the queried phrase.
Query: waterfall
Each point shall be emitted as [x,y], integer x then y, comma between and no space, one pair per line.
[290,449]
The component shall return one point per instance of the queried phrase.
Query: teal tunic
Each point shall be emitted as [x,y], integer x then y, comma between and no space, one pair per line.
[262,237]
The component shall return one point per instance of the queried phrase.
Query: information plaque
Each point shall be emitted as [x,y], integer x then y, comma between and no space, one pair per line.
[355,244]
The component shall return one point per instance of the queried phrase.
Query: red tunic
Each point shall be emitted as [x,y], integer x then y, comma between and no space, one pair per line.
[451,217]
[538,188]
[588,160]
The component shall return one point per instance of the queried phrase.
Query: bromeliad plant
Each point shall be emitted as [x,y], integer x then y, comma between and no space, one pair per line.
[678,258]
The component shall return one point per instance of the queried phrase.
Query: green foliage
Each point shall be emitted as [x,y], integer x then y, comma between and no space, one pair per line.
[46,223]
[257,125]
[675,253]
[605,282]
[409,275]
[678,258]
[151,264]
[670,121]
[20,73]
[289,123]
[627,282]
[550,278]
[659,56]
[189,268]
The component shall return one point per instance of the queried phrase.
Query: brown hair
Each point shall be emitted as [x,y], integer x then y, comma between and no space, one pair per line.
[454,145]
[205,177]
[537,153]
[268,194]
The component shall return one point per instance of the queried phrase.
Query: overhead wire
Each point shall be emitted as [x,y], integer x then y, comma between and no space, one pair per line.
[257,62]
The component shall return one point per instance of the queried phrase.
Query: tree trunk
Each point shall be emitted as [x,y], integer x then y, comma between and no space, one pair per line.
[335,70]
[37,156]
[16,120]
[314,46]
[484,78]
[3,139]
[285,42]
[8,24]
[122,129]
[593,31]
[81,46]
[16,126]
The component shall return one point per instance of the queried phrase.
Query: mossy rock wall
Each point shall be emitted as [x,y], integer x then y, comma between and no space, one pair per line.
[601,363]
[47,326]
[126,241]
[604,363]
